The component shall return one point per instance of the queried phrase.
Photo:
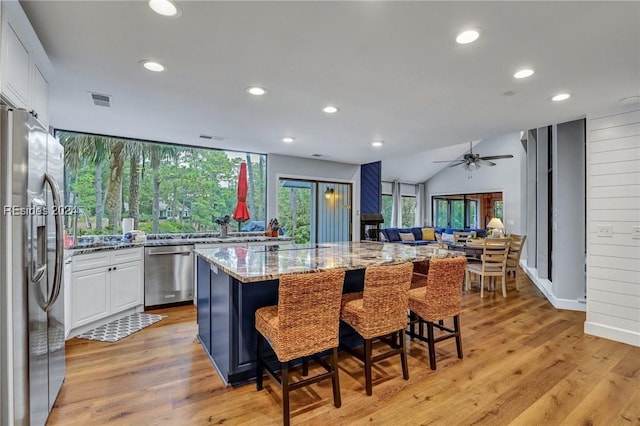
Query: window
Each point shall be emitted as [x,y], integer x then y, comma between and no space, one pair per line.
[408,211]
[457,214]
[164,188]
[441,213]
[387,209]
[461,211]
[472,214]
[498,209]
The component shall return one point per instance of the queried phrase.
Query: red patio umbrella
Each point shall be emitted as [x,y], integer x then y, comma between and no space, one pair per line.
[241,214]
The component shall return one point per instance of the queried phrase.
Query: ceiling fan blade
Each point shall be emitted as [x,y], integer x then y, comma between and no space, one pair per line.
[457,164]
[445,161]
[486,163]
[496,157]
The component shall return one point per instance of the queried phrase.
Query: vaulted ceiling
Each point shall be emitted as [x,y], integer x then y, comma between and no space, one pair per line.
[393,68]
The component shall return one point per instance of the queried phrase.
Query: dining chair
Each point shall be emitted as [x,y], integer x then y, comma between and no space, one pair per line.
[305,322]
[513,258]
[494,264]
[378,311]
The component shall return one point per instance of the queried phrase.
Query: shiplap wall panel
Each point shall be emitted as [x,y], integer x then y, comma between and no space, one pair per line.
[615,298]
[621,180]
[615,191]
[626,252]
[613,199]
[620,287]
[628,154]
[616,168]
[614,144]
[601,134]
[615,120]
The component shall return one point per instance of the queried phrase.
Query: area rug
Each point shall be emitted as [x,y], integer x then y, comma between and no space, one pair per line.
[121,328]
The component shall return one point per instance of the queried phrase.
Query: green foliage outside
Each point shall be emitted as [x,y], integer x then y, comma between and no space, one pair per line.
[408,211]
[190,187]
[294,208]
[387,210]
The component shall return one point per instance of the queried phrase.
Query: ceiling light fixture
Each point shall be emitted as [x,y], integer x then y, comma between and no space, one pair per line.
[287,139]
[377,144]
[164,7]
[468,36]
[330,109]
[153,66]
[524,73]
[561,97]
[256,90]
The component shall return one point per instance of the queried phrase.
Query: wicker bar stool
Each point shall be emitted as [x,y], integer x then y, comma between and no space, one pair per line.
[441,298]
[380,310]
[305,322]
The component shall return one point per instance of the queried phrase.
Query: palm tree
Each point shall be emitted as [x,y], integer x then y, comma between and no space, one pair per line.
[157,154]
[135,151]
[80,147]
[114,188]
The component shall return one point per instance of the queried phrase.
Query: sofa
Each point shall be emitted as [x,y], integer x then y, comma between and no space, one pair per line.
[408,236]
[401,235]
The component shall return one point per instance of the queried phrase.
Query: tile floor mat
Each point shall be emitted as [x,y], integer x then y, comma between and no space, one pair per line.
[123,327]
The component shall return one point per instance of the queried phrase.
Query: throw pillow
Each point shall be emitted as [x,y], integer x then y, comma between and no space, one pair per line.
[428,234]
[382,237]
[393,234]
[407,237]
[447,238]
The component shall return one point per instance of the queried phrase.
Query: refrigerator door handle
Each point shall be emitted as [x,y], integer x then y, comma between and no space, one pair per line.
[38,235]
[57,214]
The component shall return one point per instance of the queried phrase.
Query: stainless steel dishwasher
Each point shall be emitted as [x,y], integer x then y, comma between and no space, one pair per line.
[168,274]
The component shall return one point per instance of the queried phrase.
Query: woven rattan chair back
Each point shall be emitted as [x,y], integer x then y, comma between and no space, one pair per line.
[443,292]
[386,297]
[309,312]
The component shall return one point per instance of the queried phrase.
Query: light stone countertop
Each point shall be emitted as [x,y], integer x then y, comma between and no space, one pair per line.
[262,263]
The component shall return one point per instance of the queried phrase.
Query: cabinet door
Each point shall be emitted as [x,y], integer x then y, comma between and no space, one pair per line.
[15,68]
[89,295]
[40,97]
[126,286]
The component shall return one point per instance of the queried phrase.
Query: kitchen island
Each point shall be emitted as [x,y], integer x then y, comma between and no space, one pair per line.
[233,282]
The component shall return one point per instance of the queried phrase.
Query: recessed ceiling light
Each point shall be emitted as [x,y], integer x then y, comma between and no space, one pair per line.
[468,36]
[524,73]
[561,97]
[330,109]
[377,144]
[164,7]
[287,139]
[256,90]
[153,66]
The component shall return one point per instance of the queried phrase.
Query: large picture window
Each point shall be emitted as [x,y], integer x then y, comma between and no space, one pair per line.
[408,211]
[461,211]
[164,188]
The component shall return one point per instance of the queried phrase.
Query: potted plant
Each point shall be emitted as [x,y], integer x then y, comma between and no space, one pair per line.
[224,225]
[274,226]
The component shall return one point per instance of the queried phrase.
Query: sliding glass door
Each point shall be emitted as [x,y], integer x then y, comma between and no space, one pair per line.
[315,212]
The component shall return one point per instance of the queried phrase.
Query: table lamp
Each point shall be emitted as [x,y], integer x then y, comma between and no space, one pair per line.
[496,228]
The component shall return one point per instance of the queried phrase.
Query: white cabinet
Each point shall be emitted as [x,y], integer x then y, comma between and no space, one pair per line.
[15,68]
[24,65]
[105,286]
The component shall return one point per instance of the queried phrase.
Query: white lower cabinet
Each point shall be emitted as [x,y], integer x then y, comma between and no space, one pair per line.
[104,286]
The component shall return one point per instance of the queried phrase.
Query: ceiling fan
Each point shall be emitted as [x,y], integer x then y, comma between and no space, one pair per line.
[471,161]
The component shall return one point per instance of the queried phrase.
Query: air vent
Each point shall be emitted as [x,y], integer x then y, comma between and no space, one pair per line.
[316,155]
[206,137]
[215,138]
[101,100]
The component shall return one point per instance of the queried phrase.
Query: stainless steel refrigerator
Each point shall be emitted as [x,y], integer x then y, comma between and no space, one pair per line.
[31,255]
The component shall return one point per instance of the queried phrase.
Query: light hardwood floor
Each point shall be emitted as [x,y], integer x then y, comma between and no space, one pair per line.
[525,363]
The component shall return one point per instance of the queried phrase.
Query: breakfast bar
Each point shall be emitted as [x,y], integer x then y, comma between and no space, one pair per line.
[233,282]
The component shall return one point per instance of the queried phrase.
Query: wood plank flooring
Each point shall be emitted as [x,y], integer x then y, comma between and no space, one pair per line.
[525,363]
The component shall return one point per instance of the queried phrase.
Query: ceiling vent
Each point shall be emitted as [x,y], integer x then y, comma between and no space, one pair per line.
[206,137]
[101,100]
[316,155]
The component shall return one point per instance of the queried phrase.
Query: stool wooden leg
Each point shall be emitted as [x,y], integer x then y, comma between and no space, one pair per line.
[420,326]
[285,393]
[456,327]
[259,364]
[305,366]
[335,379]
[367,366]
[432,345]
[412,325]
[403,355]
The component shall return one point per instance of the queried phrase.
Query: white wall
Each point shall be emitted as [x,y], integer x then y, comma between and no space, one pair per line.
[613,199]
[505,177]
[283,166]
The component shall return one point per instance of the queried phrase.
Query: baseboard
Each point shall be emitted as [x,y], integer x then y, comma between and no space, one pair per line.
[546,287]
[612,333]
